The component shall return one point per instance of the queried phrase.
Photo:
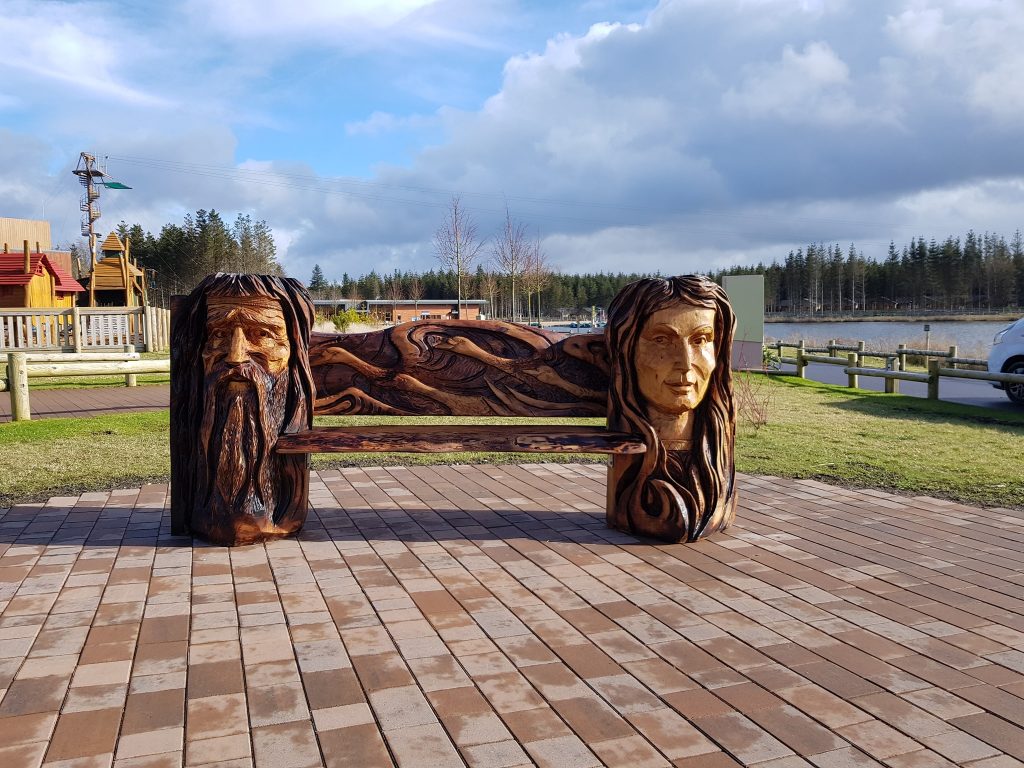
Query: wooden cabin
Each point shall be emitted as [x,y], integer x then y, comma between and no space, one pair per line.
[35,280]
[115,280]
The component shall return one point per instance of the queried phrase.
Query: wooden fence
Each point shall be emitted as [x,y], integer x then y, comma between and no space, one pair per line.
[938,364]
[85,328]
[22,366]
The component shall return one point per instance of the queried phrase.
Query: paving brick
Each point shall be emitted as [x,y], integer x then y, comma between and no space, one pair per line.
[743,738]
[287,745]
[1005,735]
[84,734]
[671,734]
[563,752]
[824,623]
[425,744]
[592,719]
[144,712]
[878,739]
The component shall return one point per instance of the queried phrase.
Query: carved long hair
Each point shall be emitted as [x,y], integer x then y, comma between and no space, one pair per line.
[682,497]
[188,338]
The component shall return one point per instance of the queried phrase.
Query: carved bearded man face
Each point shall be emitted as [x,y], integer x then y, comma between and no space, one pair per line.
[245,367]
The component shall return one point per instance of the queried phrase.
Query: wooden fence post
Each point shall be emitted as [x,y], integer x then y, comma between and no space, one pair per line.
[952,353]
[165,330]
[860,353]
[892,385]
[831,347]
[902,357]
[76,329]
[852,380]
[147,328]
[801,364]
[17,383]
[130,379]
[933,379]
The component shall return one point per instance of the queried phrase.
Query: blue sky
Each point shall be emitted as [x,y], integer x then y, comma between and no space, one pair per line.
[678,136]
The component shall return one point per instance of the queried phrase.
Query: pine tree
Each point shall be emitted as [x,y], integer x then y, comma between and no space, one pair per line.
[317,282]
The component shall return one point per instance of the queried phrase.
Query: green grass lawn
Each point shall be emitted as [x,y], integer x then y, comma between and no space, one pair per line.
[847,437]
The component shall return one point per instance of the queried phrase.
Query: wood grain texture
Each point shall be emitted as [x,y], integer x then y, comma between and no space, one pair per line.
[239,379]
[683,487]
[460,368]
[429,438]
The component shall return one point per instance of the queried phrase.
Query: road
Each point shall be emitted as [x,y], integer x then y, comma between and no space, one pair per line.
[965,391]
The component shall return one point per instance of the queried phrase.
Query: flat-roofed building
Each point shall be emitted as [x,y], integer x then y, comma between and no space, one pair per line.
[407,311]
[14,232]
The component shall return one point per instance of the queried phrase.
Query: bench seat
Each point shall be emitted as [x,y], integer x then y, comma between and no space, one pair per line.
[448,438]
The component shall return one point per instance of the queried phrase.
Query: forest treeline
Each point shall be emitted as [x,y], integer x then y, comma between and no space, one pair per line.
[976,272]
[179,257]
[972,272]
[556,294]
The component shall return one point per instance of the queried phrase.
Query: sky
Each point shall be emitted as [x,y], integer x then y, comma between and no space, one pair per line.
[675,137]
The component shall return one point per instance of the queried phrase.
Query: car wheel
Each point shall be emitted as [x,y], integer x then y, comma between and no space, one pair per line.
[1016,391]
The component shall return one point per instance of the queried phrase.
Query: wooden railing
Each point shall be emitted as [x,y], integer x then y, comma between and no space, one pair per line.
[22,366]
[84,328]
[895,369]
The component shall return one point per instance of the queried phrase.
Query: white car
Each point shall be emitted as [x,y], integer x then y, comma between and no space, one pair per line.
[1007,356]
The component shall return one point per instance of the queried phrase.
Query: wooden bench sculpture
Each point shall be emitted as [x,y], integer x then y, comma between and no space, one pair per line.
[247,376]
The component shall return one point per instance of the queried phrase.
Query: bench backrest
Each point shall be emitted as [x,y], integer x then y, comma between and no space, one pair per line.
[460,368]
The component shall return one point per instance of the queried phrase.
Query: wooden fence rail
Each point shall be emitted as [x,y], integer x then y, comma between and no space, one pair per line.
[85,328]
[896,365]
[22,366]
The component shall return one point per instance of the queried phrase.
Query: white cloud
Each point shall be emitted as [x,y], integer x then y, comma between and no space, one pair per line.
[804,86]
[384,122]
[715,131]
[348,25]
[73,49]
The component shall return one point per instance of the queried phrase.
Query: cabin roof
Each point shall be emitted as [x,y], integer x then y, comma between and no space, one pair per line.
[112,243]
[12,271]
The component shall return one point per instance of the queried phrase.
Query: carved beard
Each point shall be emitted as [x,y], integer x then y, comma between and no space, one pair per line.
[242,417]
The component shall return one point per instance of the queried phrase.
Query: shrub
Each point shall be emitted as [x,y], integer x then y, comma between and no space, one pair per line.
[343,320]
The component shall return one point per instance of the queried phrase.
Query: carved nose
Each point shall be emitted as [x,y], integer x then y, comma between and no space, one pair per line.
[238,352]
[683,360]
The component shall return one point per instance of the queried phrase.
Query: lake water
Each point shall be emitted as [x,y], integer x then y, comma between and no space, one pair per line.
[973,338]
[570,329]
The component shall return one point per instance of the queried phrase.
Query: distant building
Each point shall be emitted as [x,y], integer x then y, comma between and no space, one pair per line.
[14,232]
[405,311]
[36,280]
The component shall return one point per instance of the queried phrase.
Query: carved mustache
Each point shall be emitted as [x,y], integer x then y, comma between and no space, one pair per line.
[250,372]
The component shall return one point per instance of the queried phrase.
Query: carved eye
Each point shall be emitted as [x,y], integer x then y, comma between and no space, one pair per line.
[661,338]
[219,334]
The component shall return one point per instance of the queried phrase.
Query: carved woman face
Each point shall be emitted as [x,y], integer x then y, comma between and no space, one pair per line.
[675,356]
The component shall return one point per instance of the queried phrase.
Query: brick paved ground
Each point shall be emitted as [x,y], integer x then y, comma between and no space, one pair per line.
[439,615]
[61,403]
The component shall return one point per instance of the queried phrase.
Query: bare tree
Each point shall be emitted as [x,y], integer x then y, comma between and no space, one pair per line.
[511,253]
[456,243]
[489,287]
[536,275]
[416,292]
[393,293]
